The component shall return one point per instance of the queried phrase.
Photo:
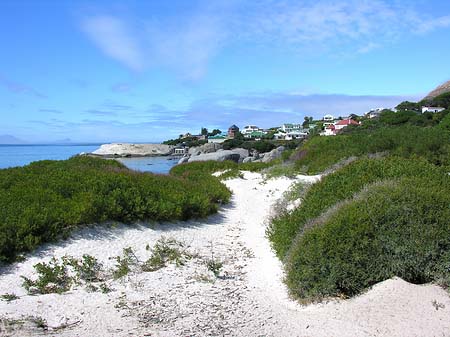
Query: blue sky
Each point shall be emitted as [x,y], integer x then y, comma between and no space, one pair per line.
[149,70]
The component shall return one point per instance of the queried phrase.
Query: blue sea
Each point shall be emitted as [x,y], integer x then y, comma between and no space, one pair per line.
[20,155]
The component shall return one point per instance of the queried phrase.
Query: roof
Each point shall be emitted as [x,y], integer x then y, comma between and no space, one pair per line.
[347,122]
[220,136]
[233,127]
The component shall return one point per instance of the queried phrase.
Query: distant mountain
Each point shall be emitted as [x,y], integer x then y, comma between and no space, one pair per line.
[10,140]
[442,89]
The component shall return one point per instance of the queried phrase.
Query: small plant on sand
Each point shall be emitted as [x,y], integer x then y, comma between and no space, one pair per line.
[125,263]
[53,277]
[9,297]
[214,265]
[166,251]
[40,322]
[104,288]
[87,268]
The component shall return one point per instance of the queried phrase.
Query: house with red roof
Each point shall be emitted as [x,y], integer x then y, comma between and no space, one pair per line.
[339,125]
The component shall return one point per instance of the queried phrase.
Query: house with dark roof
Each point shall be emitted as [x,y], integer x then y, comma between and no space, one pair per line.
[233,131]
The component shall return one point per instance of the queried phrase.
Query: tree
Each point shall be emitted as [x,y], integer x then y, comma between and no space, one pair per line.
[307,121]
[408,106]
[214,132]
[204,132]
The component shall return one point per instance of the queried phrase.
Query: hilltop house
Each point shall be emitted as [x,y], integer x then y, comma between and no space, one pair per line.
[233,131]
[252,131]
[432,109]
[344,123]
[331,129]
[288,127]
[328,118]
[374,113]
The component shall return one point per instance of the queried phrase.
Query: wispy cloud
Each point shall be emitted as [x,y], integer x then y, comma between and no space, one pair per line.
[54,111]
[113,36]
[186,42]
[121,87]
[20,88]
[97,112]
[183,43]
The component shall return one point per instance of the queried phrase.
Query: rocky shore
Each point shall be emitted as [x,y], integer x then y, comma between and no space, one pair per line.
[212,151]
[205,152]
[133,150]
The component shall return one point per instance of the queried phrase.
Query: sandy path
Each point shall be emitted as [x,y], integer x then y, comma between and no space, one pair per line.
[248,299]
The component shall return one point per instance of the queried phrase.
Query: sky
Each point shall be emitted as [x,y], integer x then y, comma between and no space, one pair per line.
[145,71]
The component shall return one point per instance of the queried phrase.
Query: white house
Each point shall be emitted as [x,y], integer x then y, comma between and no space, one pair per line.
[295,135]
[289,127]
[249,130]
[328,118]
[329,130]
[432,109]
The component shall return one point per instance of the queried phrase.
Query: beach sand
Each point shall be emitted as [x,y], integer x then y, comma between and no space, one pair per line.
[247,299]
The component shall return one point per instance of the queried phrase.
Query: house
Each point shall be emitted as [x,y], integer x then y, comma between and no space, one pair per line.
[219,138]
[233,131]
[432,109]
[248,129]
[328,118]
[297,134]
[180,150]
[374,113]
[279,135]
[344,123]
[288,127]
[330,130]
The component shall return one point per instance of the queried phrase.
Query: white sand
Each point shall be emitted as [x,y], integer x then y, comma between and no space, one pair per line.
[248,300]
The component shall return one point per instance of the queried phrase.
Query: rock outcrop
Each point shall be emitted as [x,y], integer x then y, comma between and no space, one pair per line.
[205,148]
[442,89]
[133,150]
[237,155]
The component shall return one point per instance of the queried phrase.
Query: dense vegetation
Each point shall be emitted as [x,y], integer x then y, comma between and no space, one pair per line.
[46,200]
[319,153]
[393,228]
[375,216]
[337,187]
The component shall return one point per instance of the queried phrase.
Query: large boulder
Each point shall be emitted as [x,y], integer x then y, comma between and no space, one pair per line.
[133,150]
[183,159]
[272,155]
[217,156]
[205,148]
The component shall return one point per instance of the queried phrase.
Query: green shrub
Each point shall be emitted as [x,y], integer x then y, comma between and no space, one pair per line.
[338,186]
[125,263]
[52,277]
[46,200]
[166,251]
[319,153]
[394,228]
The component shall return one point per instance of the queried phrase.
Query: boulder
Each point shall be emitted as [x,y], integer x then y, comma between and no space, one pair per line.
[183,160]
[133,150]
[248,159]
[217,156]
[205,148]
[272,155]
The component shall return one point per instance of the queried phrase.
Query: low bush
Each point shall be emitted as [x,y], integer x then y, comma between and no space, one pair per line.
[392,228]
[46,200]
[337,187]
[166,251]
[319,153]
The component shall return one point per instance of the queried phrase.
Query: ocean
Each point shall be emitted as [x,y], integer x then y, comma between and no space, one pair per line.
[20,155]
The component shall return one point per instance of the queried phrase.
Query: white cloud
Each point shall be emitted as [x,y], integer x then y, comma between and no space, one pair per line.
[115,39]
[184,44]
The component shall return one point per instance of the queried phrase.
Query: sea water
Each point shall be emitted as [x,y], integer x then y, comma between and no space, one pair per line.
[20,155]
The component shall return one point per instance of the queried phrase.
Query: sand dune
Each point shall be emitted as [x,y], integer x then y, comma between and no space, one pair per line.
[247,299]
